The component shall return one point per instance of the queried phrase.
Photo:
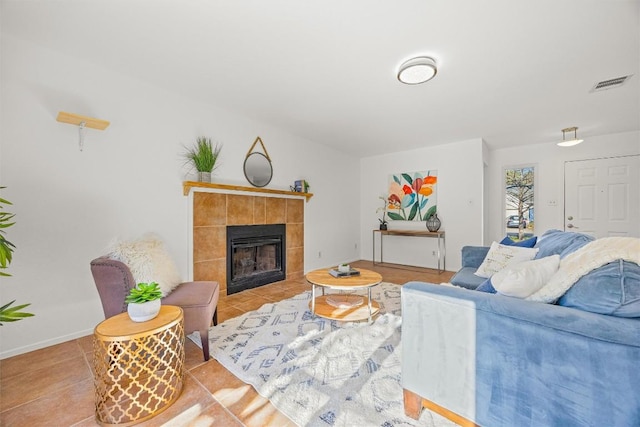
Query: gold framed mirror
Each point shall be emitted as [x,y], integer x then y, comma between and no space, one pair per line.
[257,166]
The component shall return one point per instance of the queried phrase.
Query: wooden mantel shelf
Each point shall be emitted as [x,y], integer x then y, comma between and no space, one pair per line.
[188,185]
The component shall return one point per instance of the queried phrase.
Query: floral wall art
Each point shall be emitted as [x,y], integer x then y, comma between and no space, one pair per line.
[412,196]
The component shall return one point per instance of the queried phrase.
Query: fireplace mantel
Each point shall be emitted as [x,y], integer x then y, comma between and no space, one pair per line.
[188,185]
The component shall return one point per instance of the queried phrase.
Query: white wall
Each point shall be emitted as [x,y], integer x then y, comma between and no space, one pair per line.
[460,201]
[127,181]
[549,160]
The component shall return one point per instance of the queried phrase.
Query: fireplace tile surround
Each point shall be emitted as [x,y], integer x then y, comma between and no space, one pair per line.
[212,212]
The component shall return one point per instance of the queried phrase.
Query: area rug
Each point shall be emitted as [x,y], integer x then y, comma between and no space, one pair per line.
[321,372]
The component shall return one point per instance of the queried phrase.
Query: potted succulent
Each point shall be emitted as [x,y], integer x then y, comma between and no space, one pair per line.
[144,302]
[203,156]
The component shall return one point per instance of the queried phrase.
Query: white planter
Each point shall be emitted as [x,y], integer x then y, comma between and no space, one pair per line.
[144,311]
[204,176]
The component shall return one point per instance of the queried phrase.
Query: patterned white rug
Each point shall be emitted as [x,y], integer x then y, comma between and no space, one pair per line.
[321,372]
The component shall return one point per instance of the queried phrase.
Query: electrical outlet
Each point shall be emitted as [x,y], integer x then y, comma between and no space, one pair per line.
[552,203]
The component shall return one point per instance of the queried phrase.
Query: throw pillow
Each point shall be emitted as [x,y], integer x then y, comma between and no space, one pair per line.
[561,243]
[148,261]
[527,243]
[487,287]
[593,255]
[612,289]
[523,279]
[501,256]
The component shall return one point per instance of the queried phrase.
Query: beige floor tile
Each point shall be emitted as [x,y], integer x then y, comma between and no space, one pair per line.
[43,381]
[39,358]
[86,343]
[216,379]
[77,398]
[229,313]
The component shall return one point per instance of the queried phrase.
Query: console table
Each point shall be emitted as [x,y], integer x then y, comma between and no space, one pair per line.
[411,233]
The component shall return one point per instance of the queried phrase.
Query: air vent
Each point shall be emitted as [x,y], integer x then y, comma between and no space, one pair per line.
[610,84]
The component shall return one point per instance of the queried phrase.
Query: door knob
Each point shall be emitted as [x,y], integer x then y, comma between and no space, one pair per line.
[569,217]
[571,226]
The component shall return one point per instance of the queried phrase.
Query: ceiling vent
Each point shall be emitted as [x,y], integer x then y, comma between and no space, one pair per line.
[610,84]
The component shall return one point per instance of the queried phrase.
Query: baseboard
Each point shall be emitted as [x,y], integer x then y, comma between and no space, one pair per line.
[461,421]
[45,343]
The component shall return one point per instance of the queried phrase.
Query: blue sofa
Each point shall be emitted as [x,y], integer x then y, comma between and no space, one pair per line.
[472,257]
[499,361]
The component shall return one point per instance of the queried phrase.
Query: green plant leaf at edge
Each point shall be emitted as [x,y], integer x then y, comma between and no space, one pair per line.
[13,314]
[407,178]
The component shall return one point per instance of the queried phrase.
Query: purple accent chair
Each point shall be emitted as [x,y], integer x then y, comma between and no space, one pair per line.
[198,300]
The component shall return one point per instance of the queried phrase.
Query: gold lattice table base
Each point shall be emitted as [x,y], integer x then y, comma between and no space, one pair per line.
[139,367]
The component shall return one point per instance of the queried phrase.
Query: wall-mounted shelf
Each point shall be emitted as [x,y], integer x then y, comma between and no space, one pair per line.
[188,185]
[78,120]
[83,122]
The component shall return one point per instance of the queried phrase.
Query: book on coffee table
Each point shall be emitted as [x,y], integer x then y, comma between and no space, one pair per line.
[351,272]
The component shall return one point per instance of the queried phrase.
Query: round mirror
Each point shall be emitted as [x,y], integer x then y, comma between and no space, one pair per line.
[257,169]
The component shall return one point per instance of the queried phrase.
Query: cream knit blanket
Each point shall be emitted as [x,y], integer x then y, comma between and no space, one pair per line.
[589,257]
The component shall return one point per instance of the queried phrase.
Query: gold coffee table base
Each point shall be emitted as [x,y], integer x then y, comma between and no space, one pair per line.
[139,367]
[351,314]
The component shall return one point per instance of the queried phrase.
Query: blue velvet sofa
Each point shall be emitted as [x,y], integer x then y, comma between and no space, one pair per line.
[494,360]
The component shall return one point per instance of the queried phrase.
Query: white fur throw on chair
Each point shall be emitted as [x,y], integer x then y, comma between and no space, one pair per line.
[148,260]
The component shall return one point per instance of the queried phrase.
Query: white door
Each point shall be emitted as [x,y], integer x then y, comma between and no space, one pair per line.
[602,196]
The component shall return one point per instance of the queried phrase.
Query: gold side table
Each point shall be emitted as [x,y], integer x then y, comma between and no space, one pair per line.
[139,367]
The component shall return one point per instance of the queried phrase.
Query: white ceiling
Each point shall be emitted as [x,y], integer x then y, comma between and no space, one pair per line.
[511,72]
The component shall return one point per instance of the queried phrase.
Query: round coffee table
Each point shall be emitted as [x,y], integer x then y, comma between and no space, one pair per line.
[344,307]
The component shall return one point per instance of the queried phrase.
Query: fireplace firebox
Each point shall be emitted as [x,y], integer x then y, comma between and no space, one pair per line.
[256,256]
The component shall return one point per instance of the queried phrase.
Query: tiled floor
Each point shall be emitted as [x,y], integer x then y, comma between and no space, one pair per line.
[54,386]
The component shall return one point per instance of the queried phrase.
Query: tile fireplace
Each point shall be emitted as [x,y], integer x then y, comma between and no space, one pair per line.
[255,256]
[214,212]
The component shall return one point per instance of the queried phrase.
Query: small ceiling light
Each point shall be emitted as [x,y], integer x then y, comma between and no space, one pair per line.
[417,70]
[570,142]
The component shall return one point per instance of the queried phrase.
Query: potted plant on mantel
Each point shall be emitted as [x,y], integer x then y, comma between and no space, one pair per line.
[203,156]
[144,302]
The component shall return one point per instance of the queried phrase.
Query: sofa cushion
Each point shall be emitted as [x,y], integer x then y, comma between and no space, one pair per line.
[556,242]
[466,278]
[501,256]
[472,256]
[527,243]
[612,289]
[522,279]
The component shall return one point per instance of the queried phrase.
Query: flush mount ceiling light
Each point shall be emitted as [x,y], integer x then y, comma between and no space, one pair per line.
[570,142]
[417,70]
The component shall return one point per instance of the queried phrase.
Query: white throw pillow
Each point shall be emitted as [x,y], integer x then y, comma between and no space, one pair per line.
[500,256]
[523,279]
[148,261]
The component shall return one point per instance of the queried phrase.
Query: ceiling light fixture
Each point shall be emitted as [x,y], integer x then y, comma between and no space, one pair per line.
[417,70]
[570,142]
